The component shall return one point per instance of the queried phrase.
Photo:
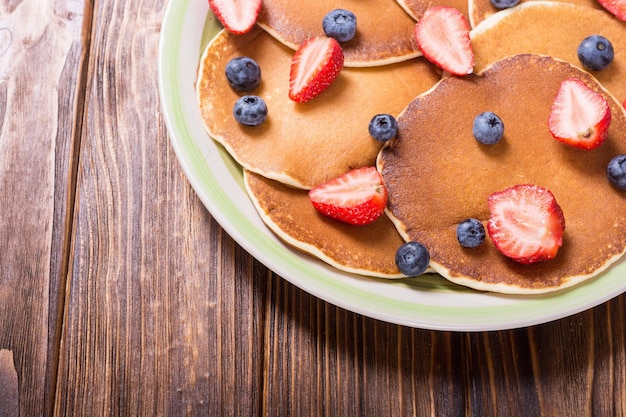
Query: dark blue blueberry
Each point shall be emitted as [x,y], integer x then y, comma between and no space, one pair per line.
[340,24]
[412,259]
[470,233]
[503,4]
[383,127]
[616,171]
[488,128]
[250,110]
[243,74]
[595,52]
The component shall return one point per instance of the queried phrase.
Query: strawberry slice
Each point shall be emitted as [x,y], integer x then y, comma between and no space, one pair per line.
[357,197]
[526,223]
[442,35]
[615,7]
[314,67]
[237,16]
[580,117]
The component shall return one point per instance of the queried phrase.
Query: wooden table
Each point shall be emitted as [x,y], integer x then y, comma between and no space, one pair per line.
[120,295]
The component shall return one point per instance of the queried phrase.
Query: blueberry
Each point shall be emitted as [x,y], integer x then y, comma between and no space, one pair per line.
[383,127]
[340,24]
[243,73]
[250,110]
[470,233]
[595,52]
[412,259]
[488,128]
[503,4]
[616,171]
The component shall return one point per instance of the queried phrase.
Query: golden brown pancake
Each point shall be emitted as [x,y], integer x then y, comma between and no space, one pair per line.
[303,144]
[384,29]
[288,212]
[437,175]
[480,10]
[557,30]
[417,8]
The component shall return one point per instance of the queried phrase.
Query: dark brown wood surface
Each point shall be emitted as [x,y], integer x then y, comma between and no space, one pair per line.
[120,295]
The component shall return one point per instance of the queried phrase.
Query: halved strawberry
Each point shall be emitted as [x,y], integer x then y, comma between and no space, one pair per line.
[237,16]
[357,197]
[579,117]
[442,35]
[526,223]
[615,7]
[314,67]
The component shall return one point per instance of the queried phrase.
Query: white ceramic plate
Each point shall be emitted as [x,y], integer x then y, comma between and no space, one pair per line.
[430,303]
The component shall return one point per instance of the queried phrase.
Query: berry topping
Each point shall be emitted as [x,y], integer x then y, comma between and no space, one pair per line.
[615,7]
[503,4]
[314,67]
[442,34]
[383,127]
[250,110]
[340,24]
[526,223]
[580,117]
[616,171]
[357,197]
[488,128]
[412,259]
[595,52]
[237,16]
[470,233]
[243,74]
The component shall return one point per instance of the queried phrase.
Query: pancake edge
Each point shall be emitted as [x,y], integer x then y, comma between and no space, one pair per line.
[347,61]
[307,248]
[499,287]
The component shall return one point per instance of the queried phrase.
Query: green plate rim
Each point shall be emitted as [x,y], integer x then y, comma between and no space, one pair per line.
[308,274]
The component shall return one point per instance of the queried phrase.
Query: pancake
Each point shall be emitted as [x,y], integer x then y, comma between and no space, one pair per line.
[384,30]
[417,8]
[365,250]
[303,144]
[437,175]
[557,30]
[479,10]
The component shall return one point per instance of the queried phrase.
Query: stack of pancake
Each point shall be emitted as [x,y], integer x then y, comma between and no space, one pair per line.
[434,174]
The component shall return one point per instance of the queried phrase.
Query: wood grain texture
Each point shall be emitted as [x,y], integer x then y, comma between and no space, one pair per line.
[9,392]
[41,47]
[146,329]
[353,365]
[121,296]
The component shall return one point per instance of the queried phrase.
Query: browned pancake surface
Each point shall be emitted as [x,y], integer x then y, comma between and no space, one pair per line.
[303,144]
[368,250]
[384,29]
[417,8]
[557,30]
[437,174]
[480,10]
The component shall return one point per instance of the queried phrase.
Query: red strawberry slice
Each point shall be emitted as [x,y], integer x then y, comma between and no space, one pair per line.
[580,117]
[442,35]
[615,7]
[357,197]
[237,16]
[314,67]
[526,223]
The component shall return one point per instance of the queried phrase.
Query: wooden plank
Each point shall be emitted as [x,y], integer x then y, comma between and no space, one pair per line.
[322,360]
[325,361]
[163,311]
[9,393]
[41,49]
